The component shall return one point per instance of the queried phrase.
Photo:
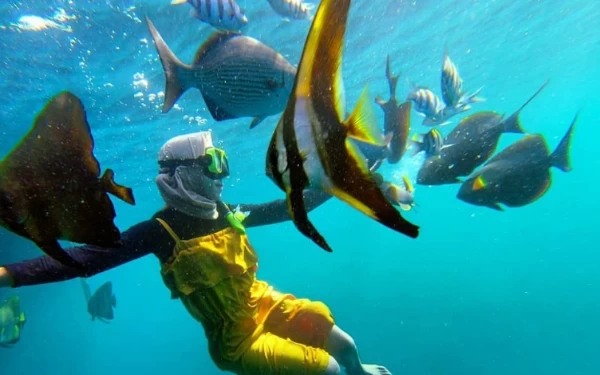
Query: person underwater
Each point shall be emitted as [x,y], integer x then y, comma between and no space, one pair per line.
[208,262]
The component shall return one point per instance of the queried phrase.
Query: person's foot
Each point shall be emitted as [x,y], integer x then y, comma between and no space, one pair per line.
[375,370]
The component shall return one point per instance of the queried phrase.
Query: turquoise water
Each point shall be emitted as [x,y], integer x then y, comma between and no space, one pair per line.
[479,292]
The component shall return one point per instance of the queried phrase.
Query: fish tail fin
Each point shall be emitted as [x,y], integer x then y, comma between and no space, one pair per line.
[473,98]
[119,191]
[357,187]
[362,123]
[560,157]
[175,71]
[295,202]
[392,79]
[417,145]
[513,124]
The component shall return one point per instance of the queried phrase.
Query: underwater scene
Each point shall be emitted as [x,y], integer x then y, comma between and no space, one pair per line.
[299,187]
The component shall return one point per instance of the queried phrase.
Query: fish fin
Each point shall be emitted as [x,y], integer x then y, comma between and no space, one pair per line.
[513,124]
[178,2]
[57,253]
[496,206]
[416,146]
[407,184]
[354,185]
[10,335]
[405,207]
[87,293]
[320,69]
[216,111]
[176,72]
[297,210]
[362,123]
[376,165]
[256,121]
[119,191]
[379,101]
[473,98]
[479,183]
[114,301]
[560,156]
[392,79]
[22,318]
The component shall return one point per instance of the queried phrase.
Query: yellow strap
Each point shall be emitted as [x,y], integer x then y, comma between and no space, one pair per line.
[169,229]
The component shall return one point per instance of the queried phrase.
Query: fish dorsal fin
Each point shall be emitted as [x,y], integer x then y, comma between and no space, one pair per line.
[362,123]
[319,71]
[407,184]
[216,39]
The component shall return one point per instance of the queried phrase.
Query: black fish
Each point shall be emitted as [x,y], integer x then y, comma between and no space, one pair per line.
[518,175]
[100,305]
[396,118]
[237,75]
[310,146]
[473,141]
[50,187]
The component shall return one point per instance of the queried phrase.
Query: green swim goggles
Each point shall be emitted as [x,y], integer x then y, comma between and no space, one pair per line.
[214,163]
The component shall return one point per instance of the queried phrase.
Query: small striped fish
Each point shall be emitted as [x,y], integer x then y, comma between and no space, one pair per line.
[294,9]
[432,143]
[427,104]
[452,92]
[221,14]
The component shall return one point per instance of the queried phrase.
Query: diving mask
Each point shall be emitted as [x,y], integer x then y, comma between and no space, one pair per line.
[214,163]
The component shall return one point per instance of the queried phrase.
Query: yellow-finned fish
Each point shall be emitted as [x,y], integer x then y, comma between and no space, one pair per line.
[310,146]
[12,320]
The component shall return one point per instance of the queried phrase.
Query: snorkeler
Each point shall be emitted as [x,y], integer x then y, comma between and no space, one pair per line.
[208,263]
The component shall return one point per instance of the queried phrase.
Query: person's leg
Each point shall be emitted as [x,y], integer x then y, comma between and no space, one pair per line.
[342,347]
[274,355]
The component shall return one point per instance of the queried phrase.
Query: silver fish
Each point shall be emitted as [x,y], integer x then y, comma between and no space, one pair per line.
[238,76]
[221,14]
[293,9]
[310,147]
[427,104]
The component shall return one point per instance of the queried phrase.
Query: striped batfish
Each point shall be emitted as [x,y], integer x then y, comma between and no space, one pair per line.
[293,9]
[238,76]
[221,14]
[310,147]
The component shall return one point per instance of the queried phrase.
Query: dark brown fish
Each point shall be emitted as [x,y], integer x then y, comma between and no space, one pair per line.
[396,118]
[310,147]
[50,187]
[238,76]
[519,175]
[473,141]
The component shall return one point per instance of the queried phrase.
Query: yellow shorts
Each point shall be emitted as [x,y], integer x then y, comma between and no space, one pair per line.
[293,341]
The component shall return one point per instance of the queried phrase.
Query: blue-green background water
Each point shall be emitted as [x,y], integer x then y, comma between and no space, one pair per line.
[479,292]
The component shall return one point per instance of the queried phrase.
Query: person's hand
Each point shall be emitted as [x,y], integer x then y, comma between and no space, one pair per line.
[5,278]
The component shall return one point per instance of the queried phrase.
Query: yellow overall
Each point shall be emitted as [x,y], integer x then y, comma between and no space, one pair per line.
[251,328]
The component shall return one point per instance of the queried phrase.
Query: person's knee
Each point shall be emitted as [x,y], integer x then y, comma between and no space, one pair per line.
[333,367]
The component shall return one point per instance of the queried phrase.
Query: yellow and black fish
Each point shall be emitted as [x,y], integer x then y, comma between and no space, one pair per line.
[473,141]
[519,175]
[50,187]
[238,76]
[310,146]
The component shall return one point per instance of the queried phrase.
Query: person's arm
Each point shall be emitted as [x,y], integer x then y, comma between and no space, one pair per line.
[139,240]
[277,210]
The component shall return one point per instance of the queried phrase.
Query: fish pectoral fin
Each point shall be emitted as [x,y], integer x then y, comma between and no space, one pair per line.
[256,121]
[216,111]
[362,124]
[405,207]
[496,206]
[479,183]
[297,210]
[407,184]
[119,191]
